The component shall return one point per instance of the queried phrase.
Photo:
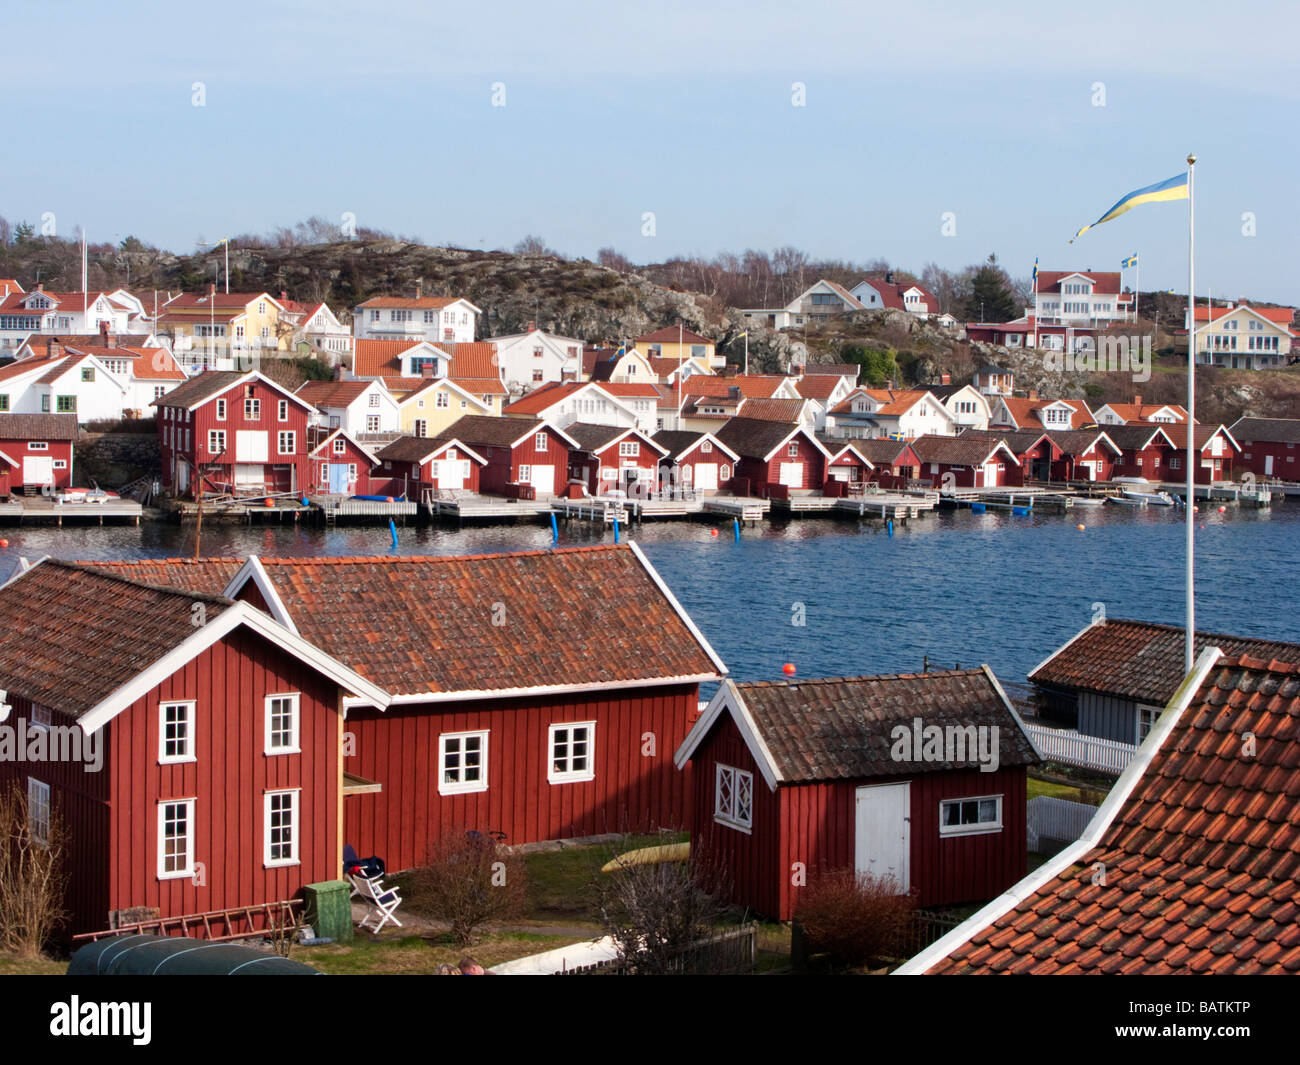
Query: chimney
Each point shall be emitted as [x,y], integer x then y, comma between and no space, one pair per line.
[212,288]
[532,327]
[945,379]
[284,295]
[889,277]
[53,349]
[419,288]
[1137,400]
[338,372]
[40,286]
[426,370]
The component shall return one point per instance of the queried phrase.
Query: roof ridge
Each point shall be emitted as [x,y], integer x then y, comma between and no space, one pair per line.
[319,560]
[93,570]
[861,677]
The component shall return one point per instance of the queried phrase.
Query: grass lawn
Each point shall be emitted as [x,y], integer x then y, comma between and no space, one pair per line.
[11,965]
[1057,790]
[399,954]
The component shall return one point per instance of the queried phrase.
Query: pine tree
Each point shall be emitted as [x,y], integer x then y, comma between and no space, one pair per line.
[990,298]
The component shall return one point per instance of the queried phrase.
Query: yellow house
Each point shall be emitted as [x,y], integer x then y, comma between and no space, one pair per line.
[678,344]
[224,325]
[437,403]
[1242,337]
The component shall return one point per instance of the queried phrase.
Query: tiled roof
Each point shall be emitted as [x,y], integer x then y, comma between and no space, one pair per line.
[1268,430]
[1018,440]
[487,430]
[894,402]
[1107,281]
[1137,435]
[201,301]
[1024,411]
[70,636]
[669,335]
[1140,660]
[21,367]
[837,446]
[1201,434]
[401,387]
[788,411]
[1199,863]
[322,394]
[379,358]
[839,728]
[753,437]
[205,576]
[573,616]
[680,441]
[203,387]
[413,448]
[594,437]
[964,450]
[147,364]
[476,359]
[886,290]
[1078,441]
[1141,412]
[883,452]
[1282,316]
[632,389]
[817,386]
[752,386]
[38,427]
[427,303]
[480,386]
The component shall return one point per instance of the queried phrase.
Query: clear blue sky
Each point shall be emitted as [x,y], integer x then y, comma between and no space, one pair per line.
[384,109]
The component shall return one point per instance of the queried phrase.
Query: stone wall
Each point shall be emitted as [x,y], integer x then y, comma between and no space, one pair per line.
[115,459]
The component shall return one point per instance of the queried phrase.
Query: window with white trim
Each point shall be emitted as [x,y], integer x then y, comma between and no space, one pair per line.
[280,828]
[629,449]
[340,445]
[961,817]
[525,475]
[282,723]
[175,839]
[374,399]
[221,410]
[372,423]
[38,445]
[572,757]
[252,409]
[176,732]
[287,441]
[283,412]
[733,797]
[38,810]
[462,761]
[444,401]
[706,447]
[792,451]
[539,442]
[1146,721]
[216,441]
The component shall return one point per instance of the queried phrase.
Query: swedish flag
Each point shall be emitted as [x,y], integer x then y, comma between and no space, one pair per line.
[1035,271]
[1173,189]
[1131,261]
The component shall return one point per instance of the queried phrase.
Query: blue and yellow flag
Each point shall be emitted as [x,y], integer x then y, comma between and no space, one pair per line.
[1173,189]
[1035,271]
[1131,261]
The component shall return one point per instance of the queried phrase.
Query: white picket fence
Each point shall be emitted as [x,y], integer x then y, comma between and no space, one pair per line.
[1061,820]
[1086,752]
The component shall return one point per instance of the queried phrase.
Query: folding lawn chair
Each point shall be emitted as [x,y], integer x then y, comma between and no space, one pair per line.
[381,900]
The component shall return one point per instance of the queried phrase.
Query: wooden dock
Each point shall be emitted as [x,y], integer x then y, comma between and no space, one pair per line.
[43,510]
[809,504]
[743,507]
[606,511]
[477,508]
[358,508]
[641,509]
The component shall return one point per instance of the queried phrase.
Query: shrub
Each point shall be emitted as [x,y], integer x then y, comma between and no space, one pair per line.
[32,877]
[858,918]
[470,879]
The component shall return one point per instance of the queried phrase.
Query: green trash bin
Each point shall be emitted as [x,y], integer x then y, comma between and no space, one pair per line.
[328,909]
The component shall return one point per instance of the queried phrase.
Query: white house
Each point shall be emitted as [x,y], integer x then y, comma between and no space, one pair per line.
[582,401]
[65,383]
[356,407]
[316,330]
[1241,337]
[535,357]
[433,318]
[816,303]
[1090,300]
[969,407]
[875,412]
[57,313]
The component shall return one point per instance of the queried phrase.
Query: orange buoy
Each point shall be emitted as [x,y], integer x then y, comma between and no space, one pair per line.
[1081,527]
[1222,510]
[713,532]
[269,501]
[788,669]
[4,543]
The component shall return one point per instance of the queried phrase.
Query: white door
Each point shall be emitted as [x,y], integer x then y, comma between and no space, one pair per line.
[839,473]
[251,445]
[706,476]
[990,475]
[249,473]
[1268,465]
[883,832]
[38,469]
[451,474]
[792,474]
[544,480]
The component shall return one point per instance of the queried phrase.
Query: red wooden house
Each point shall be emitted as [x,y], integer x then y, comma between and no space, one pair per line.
[695,460]
[190,745]
[1085,455]
[776,458]
[1146,450]
[894,463]
[412,465]
[1216,452]
[241,431]
[918,777]
[610,457]
[967,461]
[37,452]
[848,464]
[1033,449]
[541,694]
[340,465]
[1270,447]
[523,457]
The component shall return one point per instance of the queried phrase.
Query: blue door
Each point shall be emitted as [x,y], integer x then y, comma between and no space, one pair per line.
[339,478]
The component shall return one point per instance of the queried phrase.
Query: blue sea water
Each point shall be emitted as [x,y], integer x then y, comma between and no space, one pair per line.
[956,587]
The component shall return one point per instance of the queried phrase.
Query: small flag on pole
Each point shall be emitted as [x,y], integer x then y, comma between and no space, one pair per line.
[1173,189]
[1035,271]
[1131,261]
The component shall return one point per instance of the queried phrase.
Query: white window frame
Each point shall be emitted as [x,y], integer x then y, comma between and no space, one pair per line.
[221,410]
[443,402]
[539,442]
[567,776]
[188,870]
[976,828]
[373,422]
[462,786]
[187,724]
[340,446]
[38,810]
[1150,711]
[629,449]
[729,811]
[295,723]
[252,409]
[282,412]
[292,436]
[212,434]
[706,447]
[792,451]
[268,861]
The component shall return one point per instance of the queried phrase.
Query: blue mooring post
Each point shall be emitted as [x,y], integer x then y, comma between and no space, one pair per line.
[615,530]
[392,529]
[891,526]
[555,529]
[735,525]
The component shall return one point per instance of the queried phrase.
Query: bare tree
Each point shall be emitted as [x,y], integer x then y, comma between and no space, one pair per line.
[615,260]
[468,880]
[535,246]
[32,876]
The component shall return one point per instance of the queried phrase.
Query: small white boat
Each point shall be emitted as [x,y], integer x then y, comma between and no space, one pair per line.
[1154,499]
[1088,501]
[1128,501]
